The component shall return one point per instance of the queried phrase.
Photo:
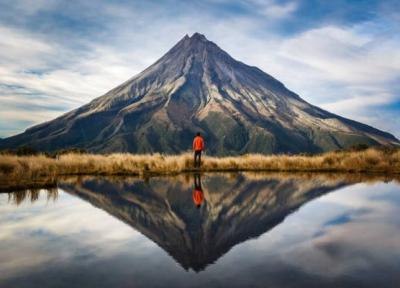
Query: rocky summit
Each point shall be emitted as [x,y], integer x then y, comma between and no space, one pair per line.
[198,87]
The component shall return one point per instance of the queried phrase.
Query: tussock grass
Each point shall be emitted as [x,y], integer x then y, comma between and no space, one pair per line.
[29,168]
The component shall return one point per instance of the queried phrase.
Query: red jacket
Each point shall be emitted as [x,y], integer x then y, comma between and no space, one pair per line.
[198,197]
[198,143]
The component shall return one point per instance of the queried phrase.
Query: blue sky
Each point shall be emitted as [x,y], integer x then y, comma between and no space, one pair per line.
[341,55]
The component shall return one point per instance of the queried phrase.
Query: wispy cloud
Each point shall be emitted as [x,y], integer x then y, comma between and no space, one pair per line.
[271,9]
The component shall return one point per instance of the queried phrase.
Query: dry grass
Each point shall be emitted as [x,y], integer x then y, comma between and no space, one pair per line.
[31,168]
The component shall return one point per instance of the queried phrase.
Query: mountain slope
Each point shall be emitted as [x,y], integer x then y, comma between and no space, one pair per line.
[196,86]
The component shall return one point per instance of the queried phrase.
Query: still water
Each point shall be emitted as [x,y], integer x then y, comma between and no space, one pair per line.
[212,230]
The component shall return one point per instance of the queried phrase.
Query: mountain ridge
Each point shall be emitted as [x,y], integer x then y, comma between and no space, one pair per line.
[197,86]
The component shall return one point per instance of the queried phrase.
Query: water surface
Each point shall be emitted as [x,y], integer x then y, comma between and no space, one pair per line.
[194,231]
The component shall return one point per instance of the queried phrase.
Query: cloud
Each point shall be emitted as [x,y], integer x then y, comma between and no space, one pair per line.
[276,11]
[17,46]
[272,9]
[346,55]
[359,102]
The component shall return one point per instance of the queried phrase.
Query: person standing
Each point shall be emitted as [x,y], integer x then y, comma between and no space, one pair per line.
[198,147]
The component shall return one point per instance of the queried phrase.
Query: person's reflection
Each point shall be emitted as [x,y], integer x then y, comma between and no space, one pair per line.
[198,195]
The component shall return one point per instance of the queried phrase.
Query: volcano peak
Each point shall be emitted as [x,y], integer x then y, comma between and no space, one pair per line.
[198,87]
[198,36]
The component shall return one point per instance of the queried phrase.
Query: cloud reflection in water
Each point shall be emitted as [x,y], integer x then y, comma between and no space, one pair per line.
[248,232]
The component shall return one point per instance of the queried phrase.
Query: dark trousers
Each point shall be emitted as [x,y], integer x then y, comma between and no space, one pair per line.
[197,158]
[197,182]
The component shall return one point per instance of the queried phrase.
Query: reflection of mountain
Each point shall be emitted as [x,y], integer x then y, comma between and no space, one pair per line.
[235,209]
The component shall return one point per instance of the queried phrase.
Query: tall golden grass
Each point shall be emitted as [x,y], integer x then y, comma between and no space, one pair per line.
[35,167]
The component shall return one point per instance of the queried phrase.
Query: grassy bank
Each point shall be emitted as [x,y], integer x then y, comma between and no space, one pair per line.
[38,171]
[34,167]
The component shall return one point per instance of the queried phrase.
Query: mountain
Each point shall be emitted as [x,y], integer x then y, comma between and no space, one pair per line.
[196,86]
[235,209]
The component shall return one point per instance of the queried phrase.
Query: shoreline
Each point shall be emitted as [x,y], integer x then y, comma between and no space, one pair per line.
[53,182]
[28,170]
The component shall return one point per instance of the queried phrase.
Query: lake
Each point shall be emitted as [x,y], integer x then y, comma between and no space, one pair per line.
[211,230]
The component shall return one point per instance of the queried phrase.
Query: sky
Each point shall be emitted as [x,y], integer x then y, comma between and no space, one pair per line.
[341,55]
